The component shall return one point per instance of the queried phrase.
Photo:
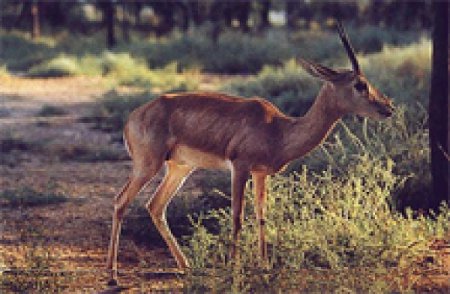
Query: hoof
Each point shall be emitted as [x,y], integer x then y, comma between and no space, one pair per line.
[112,282]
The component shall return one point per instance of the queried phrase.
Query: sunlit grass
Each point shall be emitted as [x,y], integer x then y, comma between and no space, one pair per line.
[120,68]
[339,229]
[338,224]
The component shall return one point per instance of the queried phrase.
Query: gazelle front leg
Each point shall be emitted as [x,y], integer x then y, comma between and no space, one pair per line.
[239,179]
[259,186]
[156,206]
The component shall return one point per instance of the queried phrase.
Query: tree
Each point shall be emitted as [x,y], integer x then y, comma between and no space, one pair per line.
[109,11]
[35,24]
[438,107]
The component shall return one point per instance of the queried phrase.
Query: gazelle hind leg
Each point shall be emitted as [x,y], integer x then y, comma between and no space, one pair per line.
[141,175]
[156,206]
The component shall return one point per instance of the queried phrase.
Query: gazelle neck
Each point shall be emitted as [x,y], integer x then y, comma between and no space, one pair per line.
[306,132]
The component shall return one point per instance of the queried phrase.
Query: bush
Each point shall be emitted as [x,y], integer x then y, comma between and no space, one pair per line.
[402,73]
[111,112]
[57,67]
[127,70]
[371,39]
[237,53]
[18,52]
[233,52]
[184,50]
[120,68]
[363,245]
[288,87]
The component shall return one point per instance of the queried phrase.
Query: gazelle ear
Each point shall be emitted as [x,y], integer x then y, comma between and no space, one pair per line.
[325,73]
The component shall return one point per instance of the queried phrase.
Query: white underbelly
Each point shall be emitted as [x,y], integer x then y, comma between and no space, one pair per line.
[197,158]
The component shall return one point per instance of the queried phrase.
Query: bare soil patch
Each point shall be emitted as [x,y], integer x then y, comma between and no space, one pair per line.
[74,235]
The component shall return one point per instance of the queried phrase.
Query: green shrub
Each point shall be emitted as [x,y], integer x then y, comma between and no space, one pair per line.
[370,39]
[111,112]
[26,197]
[60,66]
[361,246]
[288,87]
[402,73]
[403,138]
[127,70]
[369,240]
[18,52]
[187,51]
[120,68]
[233,52]
[237,53]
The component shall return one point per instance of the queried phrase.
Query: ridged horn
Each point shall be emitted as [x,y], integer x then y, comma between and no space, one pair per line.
[348,47]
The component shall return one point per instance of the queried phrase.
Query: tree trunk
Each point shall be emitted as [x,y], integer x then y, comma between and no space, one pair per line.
[109,12]
[265,23]
[438,107]
[35,27]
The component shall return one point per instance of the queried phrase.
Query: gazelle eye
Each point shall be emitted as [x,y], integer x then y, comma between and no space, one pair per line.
[360,86]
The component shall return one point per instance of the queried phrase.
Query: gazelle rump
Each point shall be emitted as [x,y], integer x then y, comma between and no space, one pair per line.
[186,131]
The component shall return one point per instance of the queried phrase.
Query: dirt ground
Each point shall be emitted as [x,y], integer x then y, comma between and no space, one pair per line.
[74,235]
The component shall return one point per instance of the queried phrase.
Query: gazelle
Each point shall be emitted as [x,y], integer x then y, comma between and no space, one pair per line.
[246,136]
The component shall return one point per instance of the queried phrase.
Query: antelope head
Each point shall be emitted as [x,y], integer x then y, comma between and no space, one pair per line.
[350,88]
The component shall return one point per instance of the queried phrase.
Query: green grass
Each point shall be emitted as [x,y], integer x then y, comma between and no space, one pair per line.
[27,197]
[325,231]
[342,223]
